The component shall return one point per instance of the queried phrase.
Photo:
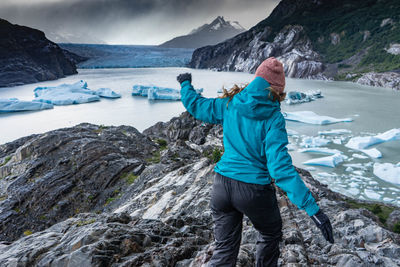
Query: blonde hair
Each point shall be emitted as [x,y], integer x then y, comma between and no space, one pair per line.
[273,94]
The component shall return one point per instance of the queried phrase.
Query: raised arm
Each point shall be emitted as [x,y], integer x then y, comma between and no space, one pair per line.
[209,110]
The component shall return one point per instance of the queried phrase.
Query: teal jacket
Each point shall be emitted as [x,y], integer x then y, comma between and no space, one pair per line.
[254,139]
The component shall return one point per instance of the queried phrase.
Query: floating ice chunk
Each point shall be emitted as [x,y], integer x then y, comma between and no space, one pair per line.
[372,194]
[310,169]
[334,132]
[337,141]
[358,172]
[107,92]
[387,172]
[349,169]
[140,90]
[362,142]
[295,97]
[373,153]
[291,147]
[161,93]
[398,164]
[353,191]
[356,165]
[330,161]
[14,104]
[312,118]
[311,141]
[321,150]
[66,94]
[291,132]
[359,156]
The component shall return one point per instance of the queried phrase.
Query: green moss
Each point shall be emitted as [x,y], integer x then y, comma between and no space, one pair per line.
[27,232]
[82,223]
[155,158]
[6,160]
[3,198]
[100,128]
[162,143]
[17,210]
[379,210]
[396,228]
[42,218]
[215,155]
[129,177]
[109,200]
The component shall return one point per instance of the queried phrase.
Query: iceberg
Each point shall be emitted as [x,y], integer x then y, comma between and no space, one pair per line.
[312,118]
[363,142]
[330,161]
[66,94]
[158,93]
[359,156]
[14,104]
[291,132]
[388,172]
[310,141]
[320,150]
[295,97]
[334,132]
[107,93]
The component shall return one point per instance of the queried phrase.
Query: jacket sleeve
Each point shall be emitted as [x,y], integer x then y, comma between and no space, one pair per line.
[280,167]
[209,110]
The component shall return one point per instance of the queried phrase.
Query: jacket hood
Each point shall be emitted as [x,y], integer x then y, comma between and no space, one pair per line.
[253,102]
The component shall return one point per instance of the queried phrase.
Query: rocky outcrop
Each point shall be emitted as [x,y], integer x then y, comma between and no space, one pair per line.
[209,34]
[314,41]
[246,51]
[162,217]
[385,79]
[27,56]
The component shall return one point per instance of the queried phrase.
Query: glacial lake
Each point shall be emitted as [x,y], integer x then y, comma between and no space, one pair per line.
[373,110]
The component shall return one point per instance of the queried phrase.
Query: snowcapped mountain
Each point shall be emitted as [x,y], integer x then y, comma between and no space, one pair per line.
[209,34]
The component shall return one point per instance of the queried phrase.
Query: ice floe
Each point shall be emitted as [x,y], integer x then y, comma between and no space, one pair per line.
[107,93]
[373,153]
[295,97]
[312,118]
[363,142]
[14,104]
[359,156]
[321,150]
[387,172]
[66,94]
[337,141]
[310,141]
[330,161]
[372,194]
[291,132]
[334,132]
[158,93]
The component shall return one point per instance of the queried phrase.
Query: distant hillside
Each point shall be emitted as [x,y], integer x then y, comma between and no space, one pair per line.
[209,34]
[323,39]
[27,56]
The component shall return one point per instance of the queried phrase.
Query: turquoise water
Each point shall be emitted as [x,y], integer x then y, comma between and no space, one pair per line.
[373,110]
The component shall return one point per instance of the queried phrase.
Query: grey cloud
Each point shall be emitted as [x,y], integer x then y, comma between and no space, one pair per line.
[103,18]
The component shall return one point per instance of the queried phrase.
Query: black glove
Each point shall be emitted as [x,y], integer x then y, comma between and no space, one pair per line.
[184,77]
[323,223]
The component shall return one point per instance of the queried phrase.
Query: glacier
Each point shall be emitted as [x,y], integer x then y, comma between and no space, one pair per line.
[312,118]
[295,97]
[158,93]
[66,94]
[14,104]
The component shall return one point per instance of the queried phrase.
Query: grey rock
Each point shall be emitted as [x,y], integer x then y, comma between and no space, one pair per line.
[163,217]
[394,218]
[385,79]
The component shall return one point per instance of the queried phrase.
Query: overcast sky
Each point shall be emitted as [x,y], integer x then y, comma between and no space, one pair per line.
[130,21]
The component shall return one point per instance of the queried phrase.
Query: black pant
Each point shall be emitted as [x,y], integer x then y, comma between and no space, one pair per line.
[230,199]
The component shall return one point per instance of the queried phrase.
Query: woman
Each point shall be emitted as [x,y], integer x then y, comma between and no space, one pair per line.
[255,142]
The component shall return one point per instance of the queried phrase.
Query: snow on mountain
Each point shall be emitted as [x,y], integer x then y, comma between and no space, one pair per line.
[208,34]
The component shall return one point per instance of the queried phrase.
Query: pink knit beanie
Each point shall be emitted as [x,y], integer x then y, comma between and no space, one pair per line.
[272,71]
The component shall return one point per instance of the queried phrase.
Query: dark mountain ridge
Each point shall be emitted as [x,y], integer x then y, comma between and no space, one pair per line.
[27,56]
